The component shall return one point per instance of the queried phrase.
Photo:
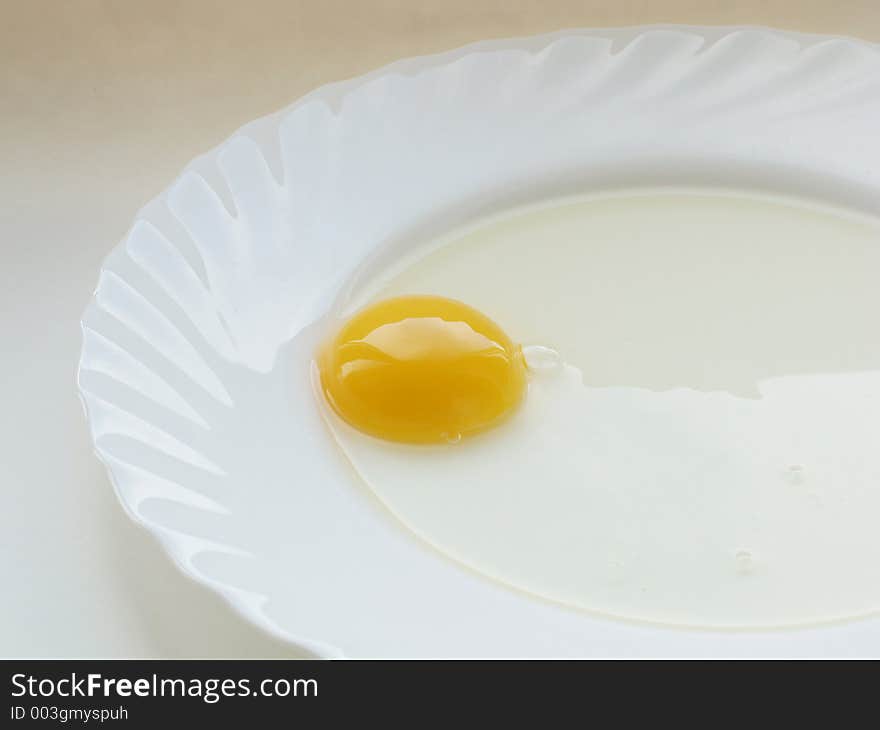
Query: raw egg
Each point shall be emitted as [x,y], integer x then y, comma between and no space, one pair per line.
[704,451]
[422,369]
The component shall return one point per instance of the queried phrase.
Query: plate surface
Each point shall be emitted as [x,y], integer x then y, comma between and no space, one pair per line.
[195,368]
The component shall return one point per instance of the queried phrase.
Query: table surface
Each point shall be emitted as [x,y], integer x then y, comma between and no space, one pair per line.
[101,104]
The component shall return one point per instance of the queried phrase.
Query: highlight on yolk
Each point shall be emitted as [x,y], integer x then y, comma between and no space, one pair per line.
[422,369]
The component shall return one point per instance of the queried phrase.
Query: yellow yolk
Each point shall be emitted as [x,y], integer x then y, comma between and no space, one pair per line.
[422,369]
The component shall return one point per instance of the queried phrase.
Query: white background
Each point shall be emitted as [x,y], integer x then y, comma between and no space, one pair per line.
[101,104]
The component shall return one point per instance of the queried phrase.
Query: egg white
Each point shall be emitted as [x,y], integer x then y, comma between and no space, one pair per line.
[707,452]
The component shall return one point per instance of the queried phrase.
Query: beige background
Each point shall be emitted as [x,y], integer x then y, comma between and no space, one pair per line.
[101,103]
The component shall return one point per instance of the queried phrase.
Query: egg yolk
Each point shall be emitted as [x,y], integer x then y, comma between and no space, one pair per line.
[422,369]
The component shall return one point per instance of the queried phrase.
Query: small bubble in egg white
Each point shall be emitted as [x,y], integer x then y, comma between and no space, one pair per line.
[615,572]
[542,359]
[795,474]
[745,563]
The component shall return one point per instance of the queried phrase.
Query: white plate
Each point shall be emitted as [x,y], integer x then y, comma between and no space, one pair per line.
[195,362]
